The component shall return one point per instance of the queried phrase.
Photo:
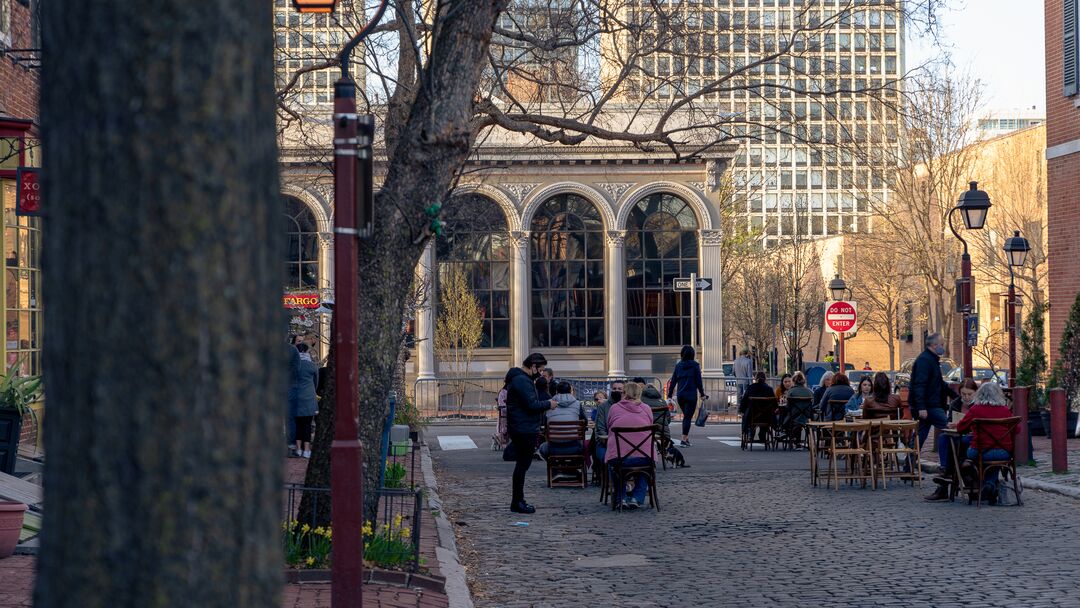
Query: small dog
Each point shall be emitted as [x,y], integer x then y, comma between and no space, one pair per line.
[675,456]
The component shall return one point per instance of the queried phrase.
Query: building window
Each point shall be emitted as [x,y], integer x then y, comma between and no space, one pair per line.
[567,273]
[662,244]
[1070,63]
[476,242]
[302,261]
[22,285]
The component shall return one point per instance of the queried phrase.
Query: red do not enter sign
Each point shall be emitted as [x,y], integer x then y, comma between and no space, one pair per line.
[840,316]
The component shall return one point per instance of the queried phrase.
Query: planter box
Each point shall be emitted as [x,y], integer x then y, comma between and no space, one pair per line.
[1070,423]
[10,427]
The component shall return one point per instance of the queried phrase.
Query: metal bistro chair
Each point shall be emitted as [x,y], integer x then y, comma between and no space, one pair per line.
[983,428]
[799,412]
[835,409]
[662,420]
[760,414]
[638,448]
[562,432]
[851,440]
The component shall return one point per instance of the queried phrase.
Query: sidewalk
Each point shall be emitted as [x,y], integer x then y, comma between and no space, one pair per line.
[1041,476]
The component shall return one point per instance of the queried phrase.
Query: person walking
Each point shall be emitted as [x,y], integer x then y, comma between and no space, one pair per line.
[929,394]
[686,385]
[524,414]
[290,412]
[744,371]
[302,400]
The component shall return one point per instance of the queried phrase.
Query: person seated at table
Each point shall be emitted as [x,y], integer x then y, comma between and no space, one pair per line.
[839,391]
[819,392]
[651,397]
[760,389]
[630,413]
[865,391]
[785,385]
[967,393]
[598,397]
[798,388]
[568,409]
[881,403]
[988,403]
[600,431]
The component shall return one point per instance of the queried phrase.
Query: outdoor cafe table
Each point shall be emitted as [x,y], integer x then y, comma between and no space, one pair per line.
[815,427]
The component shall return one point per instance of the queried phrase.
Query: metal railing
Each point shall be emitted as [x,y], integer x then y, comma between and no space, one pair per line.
[397,520]
[476,398]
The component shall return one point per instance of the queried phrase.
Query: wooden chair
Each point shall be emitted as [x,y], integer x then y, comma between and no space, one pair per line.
[897,445]
[662,420]
[635,448]
[799,413]
[851,441]
[985,429]
[564,432]
[904,404]
[760,414]
[818,443]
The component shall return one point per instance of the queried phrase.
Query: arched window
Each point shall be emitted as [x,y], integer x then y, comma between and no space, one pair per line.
[567,273]
[302,260]
[661,244]
[476,241]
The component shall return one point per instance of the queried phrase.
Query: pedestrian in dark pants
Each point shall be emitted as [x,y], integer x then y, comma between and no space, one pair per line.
[686,385]
[929,394]
[524,415]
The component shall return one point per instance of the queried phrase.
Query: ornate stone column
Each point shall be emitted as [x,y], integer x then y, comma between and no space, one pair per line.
[712,305]
[615,302]
[519,296]
[425,316]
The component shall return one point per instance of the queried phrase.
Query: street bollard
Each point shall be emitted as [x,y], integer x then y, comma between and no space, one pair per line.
[1058,434]
[1020,408]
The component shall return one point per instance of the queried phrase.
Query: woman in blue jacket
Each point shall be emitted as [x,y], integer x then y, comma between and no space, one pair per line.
[686,385]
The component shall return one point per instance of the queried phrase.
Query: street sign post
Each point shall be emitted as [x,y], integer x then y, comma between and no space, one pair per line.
[684,283]
[972,329]
[840,318]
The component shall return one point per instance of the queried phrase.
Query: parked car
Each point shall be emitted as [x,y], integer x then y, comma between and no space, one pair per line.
[903,375]
[980,374]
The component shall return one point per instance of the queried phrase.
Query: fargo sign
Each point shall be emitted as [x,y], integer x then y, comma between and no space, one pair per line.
[302,300]
[840,316]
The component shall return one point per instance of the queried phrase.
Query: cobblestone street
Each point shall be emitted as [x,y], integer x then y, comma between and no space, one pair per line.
[740,529]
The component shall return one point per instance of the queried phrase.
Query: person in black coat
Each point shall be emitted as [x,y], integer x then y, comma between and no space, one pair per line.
[524,415]
[761,389]
[686,385]
[929,395]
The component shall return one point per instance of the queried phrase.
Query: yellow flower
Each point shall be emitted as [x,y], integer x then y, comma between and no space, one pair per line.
[320,530]
[305,529]
[405,532]
[310,561]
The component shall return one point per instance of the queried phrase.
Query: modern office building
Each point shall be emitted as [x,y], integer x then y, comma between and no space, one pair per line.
[1002,122]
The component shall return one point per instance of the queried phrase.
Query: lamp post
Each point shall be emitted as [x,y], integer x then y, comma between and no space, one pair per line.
[1016,249]
[838,288]
[352,220]
[972,205]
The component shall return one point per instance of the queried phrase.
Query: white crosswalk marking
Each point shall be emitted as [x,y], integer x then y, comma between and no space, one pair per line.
[456,442]
[734,442]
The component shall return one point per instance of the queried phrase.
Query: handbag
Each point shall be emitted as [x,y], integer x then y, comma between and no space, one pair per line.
[702,415]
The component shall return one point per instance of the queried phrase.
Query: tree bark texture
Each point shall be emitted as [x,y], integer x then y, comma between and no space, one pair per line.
[165,356]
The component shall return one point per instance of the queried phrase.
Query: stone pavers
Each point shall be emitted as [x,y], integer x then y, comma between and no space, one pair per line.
[17,581]
[739,530]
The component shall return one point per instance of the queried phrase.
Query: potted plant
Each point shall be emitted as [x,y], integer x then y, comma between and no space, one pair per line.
[1067,367]
[11,522]
[1031,370]
[17,393]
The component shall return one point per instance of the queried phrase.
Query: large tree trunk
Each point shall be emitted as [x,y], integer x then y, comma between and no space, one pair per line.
[164,356]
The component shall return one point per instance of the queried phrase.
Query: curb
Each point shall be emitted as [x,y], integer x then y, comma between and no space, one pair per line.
[1034,484]
[456,588]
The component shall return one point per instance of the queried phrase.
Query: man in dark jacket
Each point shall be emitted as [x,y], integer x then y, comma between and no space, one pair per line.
[929,394]
[759,389]
[524,415]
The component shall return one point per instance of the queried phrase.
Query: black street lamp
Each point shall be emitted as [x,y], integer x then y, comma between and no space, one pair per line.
[973,206]
[1016,249]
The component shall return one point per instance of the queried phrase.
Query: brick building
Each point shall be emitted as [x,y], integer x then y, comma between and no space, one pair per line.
[21,238]
[1063,160]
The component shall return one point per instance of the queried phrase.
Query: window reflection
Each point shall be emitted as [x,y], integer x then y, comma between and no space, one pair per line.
[302,260]
[661,245]
[567,247]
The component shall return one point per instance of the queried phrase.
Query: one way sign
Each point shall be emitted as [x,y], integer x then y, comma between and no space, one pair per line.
[683,284]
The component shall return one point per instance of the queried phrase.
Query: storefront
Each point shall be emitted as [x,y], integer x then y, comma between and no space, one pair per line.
[21,244]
